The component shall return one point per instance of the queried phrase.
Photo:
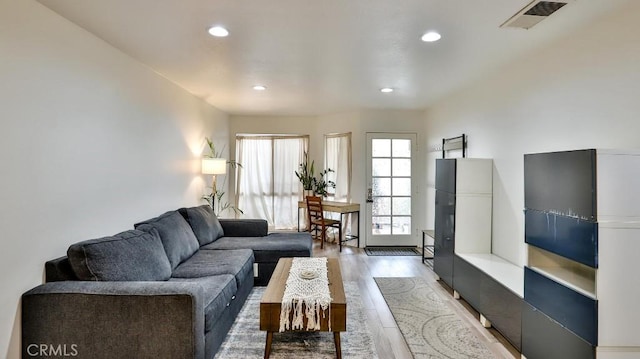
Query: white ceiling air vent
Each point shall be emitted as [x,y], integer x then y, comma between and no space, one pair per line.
[533,13]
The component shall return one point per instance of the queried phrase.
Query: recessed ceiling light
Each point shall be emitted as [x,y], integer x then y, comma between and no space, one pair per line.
[218,31]
[431,36]
[259,88]
[386,89]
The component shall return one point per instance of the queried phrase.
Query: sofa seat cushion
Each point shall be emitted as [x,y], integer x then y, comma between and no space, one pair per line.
[177,237]
[238,263]
[128,256]
[269,248]
[203,222]
[219,292]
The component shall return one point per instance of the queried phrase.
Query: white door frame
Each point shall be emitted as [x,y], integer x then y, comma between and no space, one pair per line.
[391,239]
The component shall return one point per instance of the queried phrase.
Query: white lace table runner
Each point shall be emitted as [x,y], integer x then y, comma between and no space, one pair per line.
[307,289]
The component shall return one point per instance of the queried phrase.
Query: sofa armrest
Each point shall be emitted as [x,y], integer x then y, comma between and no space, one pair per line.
[59,269]
[114,319]
[244,227]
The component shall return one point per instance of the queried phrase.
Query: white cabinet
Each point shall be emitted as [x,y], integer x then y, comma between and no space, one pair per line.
[463,256]
[463,211]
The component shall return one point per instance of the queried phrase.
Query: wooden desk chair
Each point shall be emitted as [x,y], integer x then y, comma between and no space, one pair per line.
[318,225]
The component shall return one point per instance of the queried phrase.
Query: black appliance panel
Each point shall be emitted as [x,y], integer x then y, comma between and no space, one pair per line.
[561,182]
[446,175]
[444,232]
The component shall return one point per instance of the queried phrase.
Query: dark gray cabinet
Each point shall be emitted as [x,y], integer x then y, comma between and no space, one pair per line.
[544,338]
[444,235]
[445,219]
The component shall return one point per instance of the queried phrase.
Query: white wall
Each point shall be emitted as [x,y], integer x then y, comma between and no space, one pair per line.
[90,142]
[579,92]
[358,123]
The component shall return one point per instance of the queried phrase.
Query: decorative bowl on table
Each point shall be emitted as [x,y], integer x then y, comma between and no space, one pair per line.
[308,274]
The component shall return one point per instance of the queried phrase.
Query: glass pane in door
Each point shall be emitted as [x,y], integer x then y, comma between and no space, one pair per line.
[391,186]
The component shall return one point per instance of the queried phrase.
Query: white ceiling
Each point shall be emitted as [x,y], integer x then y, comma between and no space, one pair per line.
[322,56]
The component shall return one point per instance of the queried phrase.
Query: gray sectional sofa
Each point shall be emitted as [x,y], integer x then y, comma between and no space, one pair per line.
[170,288]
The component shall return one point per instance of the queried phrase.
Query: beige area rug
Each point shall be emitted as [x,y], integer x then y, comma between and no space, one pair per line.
[430,327]
[245,340]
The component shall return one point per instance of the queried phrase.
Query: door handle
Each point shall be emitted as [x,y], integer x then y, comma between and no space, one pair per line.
[369,195]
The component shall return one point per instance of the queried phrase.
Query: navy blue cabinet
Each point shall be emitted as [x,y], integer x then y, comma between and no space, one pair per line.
[582,230]
[571,309]
[561,230]
[569,237]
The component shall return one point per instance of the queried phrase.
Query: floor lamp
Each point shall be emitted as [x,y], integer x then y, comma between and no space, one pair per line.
[214,166]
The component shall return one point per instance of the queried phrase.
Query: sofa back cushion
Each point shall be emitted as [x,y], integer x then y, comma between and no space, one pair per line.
[203,222]
[177,237]
[127,256]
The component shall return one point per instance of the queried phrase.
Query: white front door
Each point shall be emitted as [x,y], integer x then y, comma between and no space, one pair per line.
[390,204]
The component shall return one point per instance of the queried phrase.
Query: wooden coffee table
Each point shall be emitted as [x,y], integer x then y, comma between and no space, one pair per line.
[272,300]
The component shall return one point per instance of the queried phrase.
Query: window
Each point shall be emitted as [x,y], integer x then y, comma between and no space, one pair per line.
[337,156]
[266,186]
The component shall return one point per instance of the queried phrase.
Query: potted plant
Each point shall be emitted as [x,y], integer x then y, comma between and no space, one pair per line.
[311,184]
[321,185]
[215,198]
[306,175]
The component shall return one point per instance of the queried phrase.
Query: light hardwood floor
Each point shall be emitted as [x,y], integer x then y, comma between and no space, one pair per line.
[390,344]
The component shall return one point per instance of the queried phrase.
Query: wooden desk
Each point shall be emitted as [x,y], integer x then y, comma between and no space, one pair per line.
[343,208]
[271,303]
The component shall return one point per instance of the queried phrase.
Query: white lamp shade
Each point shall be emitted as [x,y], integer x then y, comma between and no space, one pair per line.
[214,166]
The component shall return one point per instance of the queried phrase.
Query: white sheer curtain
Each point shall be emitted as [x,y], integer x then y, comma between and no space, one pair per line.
[337,156]
[266,184]
[254,179]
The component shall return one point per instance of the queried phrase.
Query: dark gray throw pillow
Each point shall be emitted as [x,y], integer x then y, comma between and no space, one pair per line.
[127,256]
[177,237]
[204,223]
